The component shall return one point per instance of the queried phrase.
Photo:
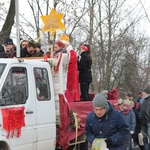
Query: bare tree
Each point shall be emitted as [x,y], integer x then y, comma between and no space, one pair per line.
[108,45]
[109,27]
[6,29]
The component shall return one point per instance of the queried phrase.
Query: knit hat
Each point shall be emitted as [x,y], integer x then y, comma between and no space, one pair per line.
[8,41]
[83,47]
[147,90]
[60,44]
[129,94]
[38,45]
[100,100]
[64,39]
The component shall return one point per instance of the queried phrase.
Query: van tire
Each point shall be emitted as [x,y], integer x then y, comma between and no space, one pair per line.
[3,146]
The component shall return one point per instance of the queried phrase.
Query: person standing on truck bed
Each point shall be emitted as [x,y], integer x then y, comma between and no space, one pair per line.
[23,44]
[10,48]
[106,123]
[29,50]
[72,75]
[38,51]
[58,48]
[85,74]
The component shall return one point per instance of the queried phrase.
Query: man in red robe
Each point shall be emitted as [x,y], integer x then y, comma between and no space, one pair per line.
[72,93]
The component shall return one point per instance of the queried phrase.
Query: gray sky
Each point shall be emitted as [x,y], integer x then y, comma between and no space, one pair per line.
[144,25]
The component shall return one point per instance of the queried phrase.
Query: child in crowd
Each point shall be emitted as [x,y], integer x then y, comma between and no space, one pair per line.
[129,117]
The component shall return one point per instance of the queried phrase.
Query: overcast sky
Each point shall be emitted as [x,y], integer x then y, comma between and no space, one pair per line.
[144,25]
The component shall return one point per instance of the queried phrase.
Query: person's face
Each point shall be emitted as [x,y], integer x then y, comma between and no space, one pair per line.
[143,94]
[56,47]
[124,107]
[24,44]
[81,50]
[127,97]
[120,107]
[8,48]
[140,95]
[31,49]
[37,49]
[99,111]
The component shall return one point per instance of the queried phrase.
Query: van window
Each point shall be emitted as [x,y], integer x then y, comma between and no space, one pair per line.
[15,89]
[2,67]
[42,84]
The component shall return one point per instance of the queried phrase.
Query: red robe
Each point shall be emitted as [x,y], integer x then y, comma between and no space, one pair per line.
[72,78]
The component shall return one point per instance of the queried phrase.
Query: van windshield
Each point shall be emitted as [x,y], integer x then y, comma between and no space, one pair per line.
[2,67]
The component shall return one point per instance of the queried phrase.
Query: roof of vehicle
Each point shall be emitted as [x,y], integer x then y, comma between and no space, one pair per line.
[24,59]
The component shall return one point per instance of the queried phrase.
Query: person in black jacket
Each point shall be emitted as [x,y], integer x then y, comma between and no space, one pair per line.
[38,51]
[29,50]
[85,74]
[145,117]
[10,48]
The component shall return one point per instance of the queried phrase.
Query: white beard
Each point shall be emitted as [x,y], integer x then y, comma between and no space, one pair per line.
[69,48]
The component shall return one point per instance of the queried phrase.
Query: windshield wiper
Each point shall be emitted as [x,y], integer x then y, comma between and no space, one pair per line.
[2,104]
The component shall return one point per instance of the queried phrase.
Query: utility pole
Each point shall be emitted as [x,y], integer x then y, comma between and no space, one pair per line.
[17,28]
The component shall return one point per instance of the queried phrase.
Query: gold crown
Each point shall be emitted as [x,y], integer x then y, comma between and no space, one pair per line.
[64,37]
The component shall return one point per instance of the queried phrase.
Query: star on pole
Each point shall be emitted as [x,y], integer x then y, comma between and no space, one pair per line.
[52,22]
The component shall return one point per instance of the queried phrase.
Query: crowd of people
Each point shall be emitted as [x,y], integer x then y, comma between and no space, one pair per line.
[120,128]
[79,74]
[27,49]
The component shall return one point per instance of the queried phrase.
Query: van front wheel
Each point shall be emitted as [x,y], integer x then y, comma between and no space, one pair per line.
[3,146]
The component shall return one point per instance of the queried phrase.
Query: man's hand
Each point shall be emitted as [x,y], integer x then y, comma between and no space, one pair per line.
[99,143]
[131,132]
[108,141]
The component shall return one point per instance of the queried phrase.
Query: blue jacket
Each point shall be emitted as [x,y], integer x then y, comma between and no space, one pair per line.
[130,120]
[111,125]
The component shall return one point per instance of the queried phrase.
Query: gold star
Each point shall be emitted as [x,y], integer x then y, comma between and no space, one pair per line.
[52,22]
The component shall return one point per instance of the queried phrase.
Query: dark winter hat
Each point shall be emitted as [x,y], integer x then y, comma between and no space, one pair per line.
[100,100]
[8,41]
[140,92]
[38,45]
[147,90]
[129,94]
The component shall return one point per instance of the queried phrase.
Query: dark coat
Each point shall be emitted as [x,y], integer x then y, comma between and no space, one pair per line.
[25,53]
[3,55]
[145,110]
[84,67]
[111,125]
[38,54]
[2,48]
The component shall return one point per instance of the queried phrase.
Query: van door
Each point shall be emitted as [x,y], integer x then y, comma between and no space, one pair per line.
[45,104]
[17,93]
